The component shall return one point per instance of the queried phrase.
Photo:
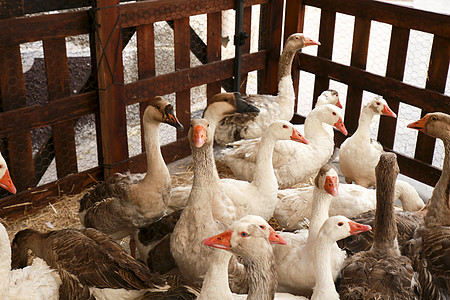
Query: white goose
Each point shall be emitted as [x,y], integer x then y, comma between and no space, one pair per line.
[251,243]
[292,162]
[294,263]
[295,204]
[272,108]
[359,154]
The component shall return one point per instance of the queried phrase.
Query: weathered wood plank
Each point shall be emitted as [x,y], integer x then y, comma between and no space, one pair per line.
[111,89]
[151,11]
[395,69]
[21,30]
[146,64]
[436,80]
[12,91]
[326,38]
[247,27]
[358,59]
[188,78]
[214,48]
[397,15]
[35,6]
[273,46]
[58,83]
[182,61]
[389,88]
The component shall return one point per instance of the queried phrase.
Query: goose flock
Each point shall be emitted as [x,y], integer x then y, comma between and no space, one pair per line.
[338,240]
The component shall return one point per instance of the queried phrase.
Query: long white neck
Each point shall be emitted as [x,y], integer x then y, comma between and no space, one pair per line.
[5,261]
[314,127]
[324,288]
[408,196]
[363,130]
[156,167]
[319,212]
[264,177]
[213,120]
[215,285]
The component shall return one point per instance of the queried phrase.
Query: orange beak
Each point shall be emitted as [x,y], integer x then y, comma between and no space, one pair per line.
[296,136]
[221,241]
[275,238]
[338,104]
[419,125]
[199,136]
[7,184]
[340,126]
[310,42]
[388,112]
[356,228]
[331,185]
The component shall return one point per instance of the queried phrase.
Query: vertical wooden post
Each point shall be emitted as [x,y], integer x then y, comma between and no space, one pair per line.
[182,61]
[111,90]
[146,64]
[294,22]
[272,41]
[12,90]
[58,81]
[395,69]
[436,80]
[214,48]
[247,27]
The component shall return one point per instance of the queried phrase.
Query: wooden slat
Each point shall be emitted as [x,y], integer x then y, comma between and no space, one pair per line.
[182,61]
[214,48]
[146,64]
[33,199]
[30,117]
[30,29]
[384,86]
[188,78]
[12,91]
[111,90]
[326,38]
[436,80]
[294,22]
[359,58]
[151,11]
[397,15]
[58,82]
[395,69]
[417,169]
[34,6]
[273,46]
[247,27]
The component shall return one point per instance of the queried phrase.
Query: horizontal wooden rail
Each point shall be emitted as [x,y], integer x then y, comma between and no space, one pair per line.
[146,89]
[33,199]
[35,116]
[387,87]
[146,12]
[30,29]
[397,15]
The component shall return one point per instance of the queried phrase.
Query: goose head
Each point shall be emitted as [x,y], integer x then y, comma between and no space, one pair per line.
[330,114]
[329,97]
[272,235]
[200,133]
[161,111]
[297,41]
[5,177]
[243,238]
[284,130]
[328,180]
[340,227]
[379,106]
[435,124]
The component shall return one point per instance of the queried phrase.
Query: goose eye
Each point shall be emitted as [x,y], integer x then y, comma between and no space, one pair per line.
[285,126]
[340,224]
[334,113]
[378,103]
[244,234]
[434,118]
[1,166]
[208,125]
[262,226]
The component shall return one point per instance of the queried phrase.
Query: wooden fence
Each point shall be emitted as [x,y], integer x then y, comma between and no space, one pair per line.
[106,95]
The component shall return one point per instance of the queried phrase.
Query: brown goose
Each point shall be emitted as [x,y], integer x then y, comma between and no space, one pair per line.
[381,272]
[429,249]
[123,202]
[272,108]
[89,263]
